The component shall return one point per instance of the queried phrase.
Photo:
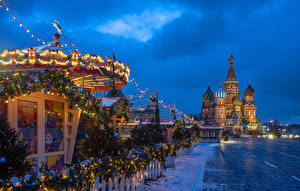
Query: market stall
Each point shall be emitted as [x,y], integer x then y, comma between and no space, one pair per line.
[44,90]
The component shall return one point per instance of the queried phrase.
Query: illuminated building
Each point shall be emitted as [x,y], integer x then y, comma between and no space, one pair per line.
[226,107]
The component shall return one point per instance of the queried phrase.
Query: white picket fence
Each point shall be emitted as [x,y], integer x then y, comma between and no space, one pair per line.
[136,182]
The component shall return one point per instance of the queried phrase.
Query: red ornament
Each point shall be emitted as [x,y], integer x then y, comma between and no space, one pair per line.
[101,143]
[47,85]
[99,137]
[57,44]
[56,36]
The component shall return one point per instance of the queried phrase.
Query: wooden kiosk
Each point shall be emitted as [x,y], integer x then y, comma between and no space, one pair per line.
[43,115]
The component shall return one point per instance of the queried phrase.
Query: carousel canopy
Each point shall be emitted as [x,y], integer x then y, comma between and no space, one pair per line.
[87,71]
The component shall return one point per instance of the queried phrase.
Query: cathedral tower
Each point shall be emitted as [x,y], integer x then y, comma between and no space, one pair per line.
[249,108]
[207,111]
[220,112]
[231,88]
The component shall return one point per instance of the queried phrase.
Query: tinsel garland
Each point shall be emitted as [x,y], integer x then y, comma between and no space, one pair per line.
[82,176]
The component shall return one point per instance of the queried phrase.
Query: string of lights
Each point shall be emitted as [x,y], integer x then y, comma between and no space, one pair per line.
[4,4]
[21,24]
[172,108]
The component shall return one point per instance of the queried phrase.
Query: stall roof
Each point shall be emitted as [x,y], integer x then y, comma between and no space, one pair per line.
[189,126]
[211,127]
[107,102]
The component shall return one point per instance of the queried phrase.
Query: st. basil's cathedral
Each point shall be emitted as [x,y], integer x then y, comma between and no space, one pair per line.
[225,107]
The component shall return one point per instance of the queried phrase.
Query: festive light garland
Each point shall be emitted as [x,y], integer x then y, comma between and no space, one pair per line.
[142,91]
[33,35]
[82,176]
[172,108]
[21,24]
[139,95]
[16,84]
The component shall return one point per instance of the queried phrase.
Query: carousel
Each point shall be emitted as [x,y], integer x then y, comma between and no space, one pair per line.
[44,90]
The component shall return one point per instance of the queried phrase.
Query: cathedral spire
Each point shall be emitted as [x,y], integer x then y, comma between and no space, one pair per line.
[231,74]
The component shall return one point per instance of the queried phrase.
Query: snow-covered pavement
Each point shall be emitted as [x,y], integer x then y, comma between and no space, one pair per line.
[188,171]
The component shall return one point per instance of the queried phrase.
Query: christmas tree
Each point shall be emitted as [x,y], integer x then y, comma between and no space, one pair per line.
[13,153]
[180,132]
[147,135]
[102,142]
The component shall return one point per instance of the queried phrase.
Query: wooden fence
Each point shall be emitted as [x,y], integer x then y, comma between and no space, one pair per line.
[137,182]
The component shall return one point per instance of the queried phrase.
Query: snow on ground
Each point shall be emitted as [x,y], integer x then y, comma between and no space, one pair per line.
[187,173]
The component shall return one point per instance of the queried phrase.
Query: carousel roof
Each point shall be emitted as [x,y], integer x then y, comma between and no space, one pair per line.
[88,71]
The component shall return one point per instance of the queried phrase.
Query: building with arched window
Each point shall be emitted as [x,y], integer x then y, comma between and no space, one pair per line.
[226,108]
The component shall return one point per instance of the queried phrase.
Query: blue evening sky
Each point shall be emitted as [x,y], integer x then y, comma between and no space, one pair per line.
[177,46]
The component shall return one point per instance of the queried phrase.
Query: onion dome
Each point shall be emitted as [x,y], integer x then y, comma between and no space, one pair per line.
[208,95]
[237,100]
[220,93]
[249,91]
[231,74]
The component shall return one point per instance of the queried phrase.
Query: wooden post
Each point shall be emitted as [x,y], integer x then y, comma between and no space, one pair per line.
[122,183]
[97,186]
[103,185]
[147,172]
[150,170]
[133,183]
[117,183]
[127,184]
[159,169]
[109,184]
[156,169]
[143,179]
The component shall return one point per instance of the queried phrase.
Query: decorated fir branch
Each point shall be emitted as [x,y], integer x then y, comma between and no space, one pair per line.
[16,84]
[82,176]
[13,163]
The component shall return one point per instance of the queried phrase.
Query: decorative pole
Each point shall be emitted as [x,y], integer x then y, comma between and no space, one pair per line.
[157,111]
[141,118]
[113,76]
[174,111]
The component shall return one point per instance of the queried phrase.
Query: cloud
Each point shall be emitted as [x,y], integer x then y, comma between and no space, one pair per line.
[140,27]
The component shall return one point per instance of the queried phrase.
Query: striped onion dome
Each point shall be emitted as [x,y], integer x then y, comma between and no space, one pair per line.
[220,93]
[249,91]
[208,95]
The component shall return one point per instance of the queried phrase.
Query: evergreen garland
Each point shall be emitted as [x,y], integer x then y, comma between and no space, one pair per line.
[15,84]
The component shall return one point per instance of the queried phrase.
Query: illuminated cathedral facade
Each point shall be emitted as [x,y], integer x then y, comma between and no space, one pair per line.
[226,108]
